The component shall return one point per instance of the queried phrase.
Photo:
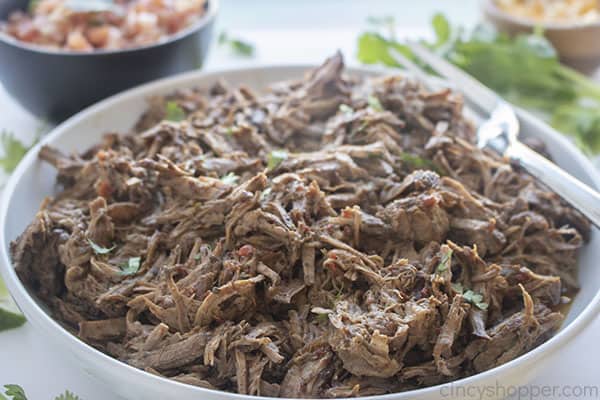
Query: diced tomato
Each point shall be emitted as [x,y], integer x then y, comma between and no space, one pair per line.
[429,201]
[246,250]
[104,189]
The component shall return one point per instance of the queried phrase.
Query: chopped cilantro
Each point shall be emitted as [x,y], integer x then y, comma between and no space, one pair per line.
[374,103]
[99,249]
[445,261]
[275,158]
[131,266]
[476,299]
[346,109]
[173,112]
[458,288]
[230,178]
[416,162]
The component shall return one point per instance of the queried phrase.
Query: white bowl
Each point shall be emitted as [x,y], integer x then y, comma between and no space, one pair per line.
[33,180]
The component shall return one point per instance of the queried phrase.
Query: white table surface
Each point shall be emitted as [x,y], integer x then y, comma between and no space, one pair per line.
[283,31]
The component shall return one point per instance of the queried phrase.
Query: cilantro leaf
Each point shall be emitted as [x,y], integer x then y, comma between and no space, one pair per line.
[173,112]
[99,249]
[442,29]
[346,109]
[15,392]
[374,48]
[374,103]
[9,319]
[445,261]
[10,315]
[237,46]
[67,396]
[131,266]
[417,162]
[275,158]
[458,287]
[230,178]
[14,151]
[476,299]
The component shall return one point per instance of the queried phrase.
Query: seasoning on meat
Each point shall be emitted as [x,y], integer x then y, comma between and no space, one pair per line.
[383,252]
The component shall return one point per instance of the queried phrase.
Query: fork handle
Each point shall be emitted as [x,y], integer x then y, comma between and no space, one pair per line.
[582,197]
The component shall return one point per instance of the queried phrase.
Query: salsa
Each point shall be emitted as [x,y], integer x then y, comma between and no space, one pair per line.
[89,25]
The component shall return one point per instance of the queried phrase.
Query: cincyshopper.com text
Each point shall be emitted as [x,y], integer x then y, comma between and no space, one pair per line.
[525,392]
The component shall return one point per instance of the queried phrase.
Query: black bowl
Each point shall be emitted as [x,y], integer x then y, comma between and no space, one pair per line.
[56,84]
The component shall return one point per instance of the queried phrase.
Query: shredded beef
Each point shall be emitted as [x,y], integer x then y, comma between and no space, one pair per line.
[330,237]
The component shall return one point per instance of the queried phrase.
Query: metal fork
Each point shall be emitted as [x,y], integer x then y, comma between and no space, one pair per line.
[500,133]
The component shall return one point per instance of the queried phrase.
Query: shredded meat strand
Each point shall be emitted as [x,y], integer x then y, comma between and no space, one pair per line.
[382,252]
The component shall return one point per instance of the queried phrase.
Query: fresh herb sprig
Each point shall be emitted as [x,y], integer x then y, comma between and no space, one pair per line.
[236,45]
[14,150]
[523,69]
[16,392]
[10,315]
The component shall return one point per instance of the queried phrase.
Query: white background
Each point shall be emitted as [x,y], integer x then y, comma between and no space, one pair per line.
[283,31]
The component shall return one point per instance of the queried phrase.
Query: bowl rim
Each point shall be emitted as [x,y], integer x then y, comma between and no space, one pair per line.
[491,8]
[208,17]
[45,323]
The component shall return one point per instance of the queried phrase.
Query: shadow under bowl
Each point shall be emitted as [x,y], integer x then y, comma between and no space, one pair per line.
[55,84]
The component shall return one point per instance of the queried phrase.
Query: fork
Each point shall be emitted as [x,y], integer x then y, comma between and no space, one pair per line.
[500,133]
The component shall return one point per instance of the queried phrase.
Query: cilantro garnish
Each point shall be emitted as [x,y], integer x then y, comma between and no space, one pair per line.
[445,261]
[275,158]
[173,112]
[476,299]
[100,249]
[230,178]
[374,103]
[131,266]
